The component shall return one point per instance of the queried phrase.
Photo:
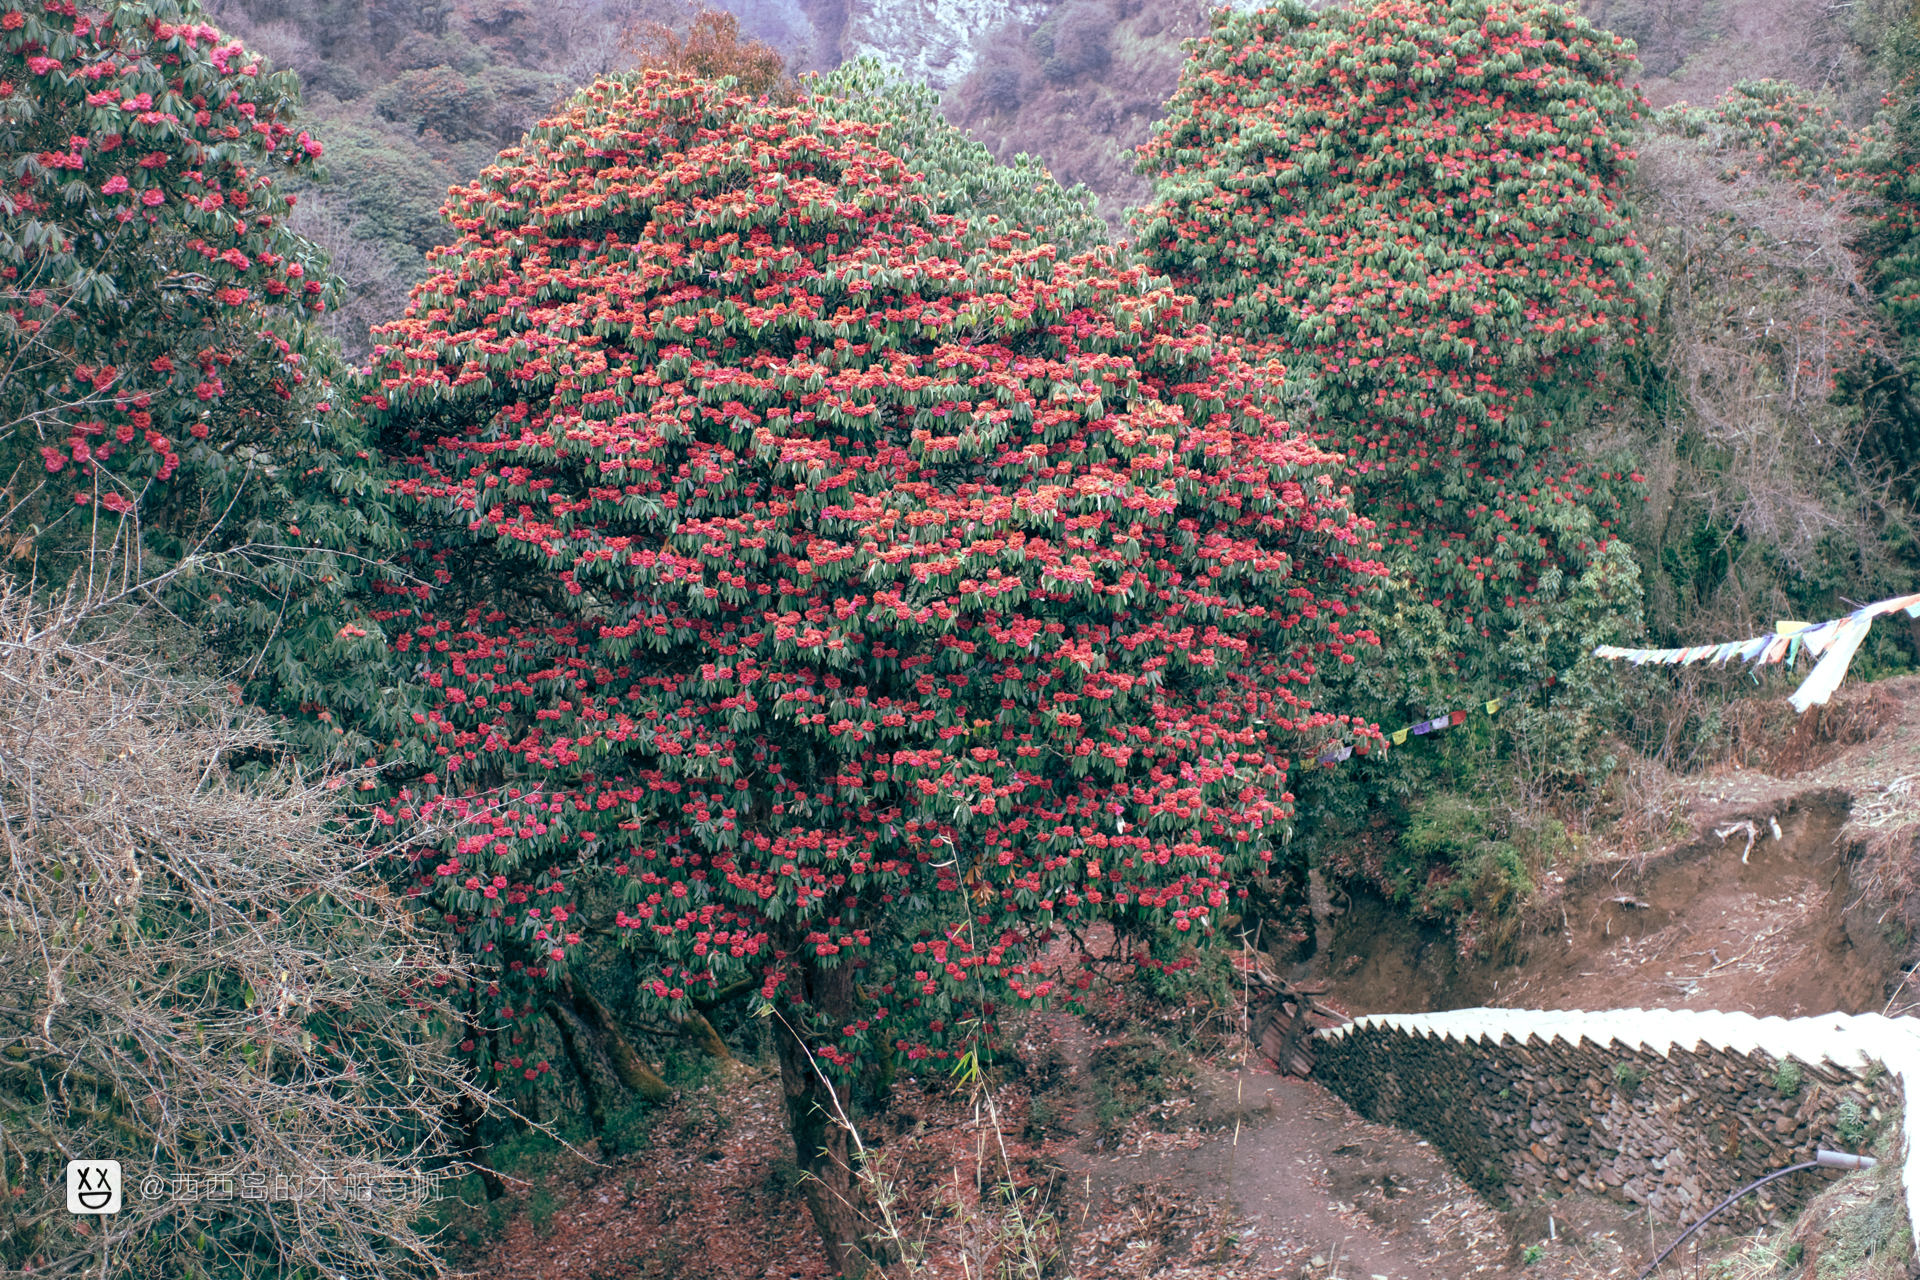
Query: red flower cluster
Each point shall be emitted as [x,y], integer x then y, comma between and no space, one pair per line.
[1415,204]
[858,588]
[175,149]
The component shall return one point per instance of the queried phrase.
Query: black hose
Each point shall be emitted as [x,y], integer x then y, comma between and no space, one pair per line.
[1826,1160]
[1778,1173]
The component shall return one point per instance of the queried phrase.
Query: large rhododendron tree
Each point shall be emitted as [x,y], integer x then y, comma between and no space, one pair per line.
[1417,203]
[166,419]
[154,290]
[867,593]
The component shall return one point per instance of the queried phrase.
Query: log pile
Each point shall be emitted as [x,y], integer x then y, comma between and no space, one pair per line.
[1674,1131]
[1281,1025]
[1283,1032]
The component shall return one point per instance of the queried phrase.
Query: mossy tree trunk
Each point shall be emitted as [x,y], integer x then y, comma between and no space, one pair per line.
[815,1116]
[611,1043]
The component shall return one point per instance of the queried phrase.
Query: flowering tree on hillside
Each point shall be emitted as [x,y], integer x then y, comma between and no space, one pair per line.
[865,593]
[1417,203]
[166,421]
[146,257]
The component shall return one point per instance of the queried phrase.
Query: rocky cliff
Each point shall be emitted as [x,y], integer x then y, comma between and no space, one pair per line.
[938,42]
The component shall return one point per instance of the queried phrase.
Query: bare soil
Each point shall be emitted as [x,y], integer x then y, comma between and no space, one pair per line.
[1804,918]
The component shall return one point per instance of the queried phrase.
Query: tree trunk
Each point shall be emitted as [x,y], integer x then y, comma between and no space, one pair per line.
[600,1084]
[627,1062]
[880,1084]
[468,1114]
[696,1028]
[819,1137]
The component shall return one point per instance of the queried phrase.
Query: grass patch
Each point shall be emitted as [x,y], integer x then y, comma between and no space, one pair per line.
[1627,1078]
[1138,1075]
[1786,1079]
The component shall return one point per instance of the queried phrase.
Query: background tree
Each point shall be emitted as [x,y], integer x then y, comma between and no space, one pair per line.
[711,49]
[1888,175]
[374,288]
[960,175]
[863,593]
[1417,204]
[1771,497]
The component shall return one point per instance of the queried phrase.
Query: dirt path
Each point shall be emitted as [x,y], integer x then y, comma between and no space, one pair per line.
[1316,1180]
[1318,1191]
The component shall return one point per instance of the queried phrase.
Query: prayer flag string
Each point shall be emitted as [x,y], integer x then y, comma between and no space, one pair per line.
[1398,737]
[1834,642]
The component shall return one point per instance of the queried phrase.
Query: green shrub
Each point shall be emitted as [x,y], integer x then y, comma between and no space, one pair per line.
[627,1129]
[1767,454]
[1786,1079]
[958,172]
[1132,1076]
[1850,1122]
[452,103]
[541,1205]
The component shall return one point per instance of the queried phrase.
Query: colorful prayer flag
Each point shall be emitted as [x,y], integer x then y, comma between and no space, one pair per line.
[1834,642]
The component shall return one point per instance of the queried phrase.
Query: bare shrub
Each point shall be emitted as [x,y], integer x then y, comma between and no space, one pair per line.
[202,978]
[282,44]
[712,48]
[376,288]
[585,39]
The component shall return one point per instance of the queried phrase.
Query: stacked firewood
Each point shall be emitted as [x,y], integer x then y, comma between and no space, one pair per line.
[1282,1017]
